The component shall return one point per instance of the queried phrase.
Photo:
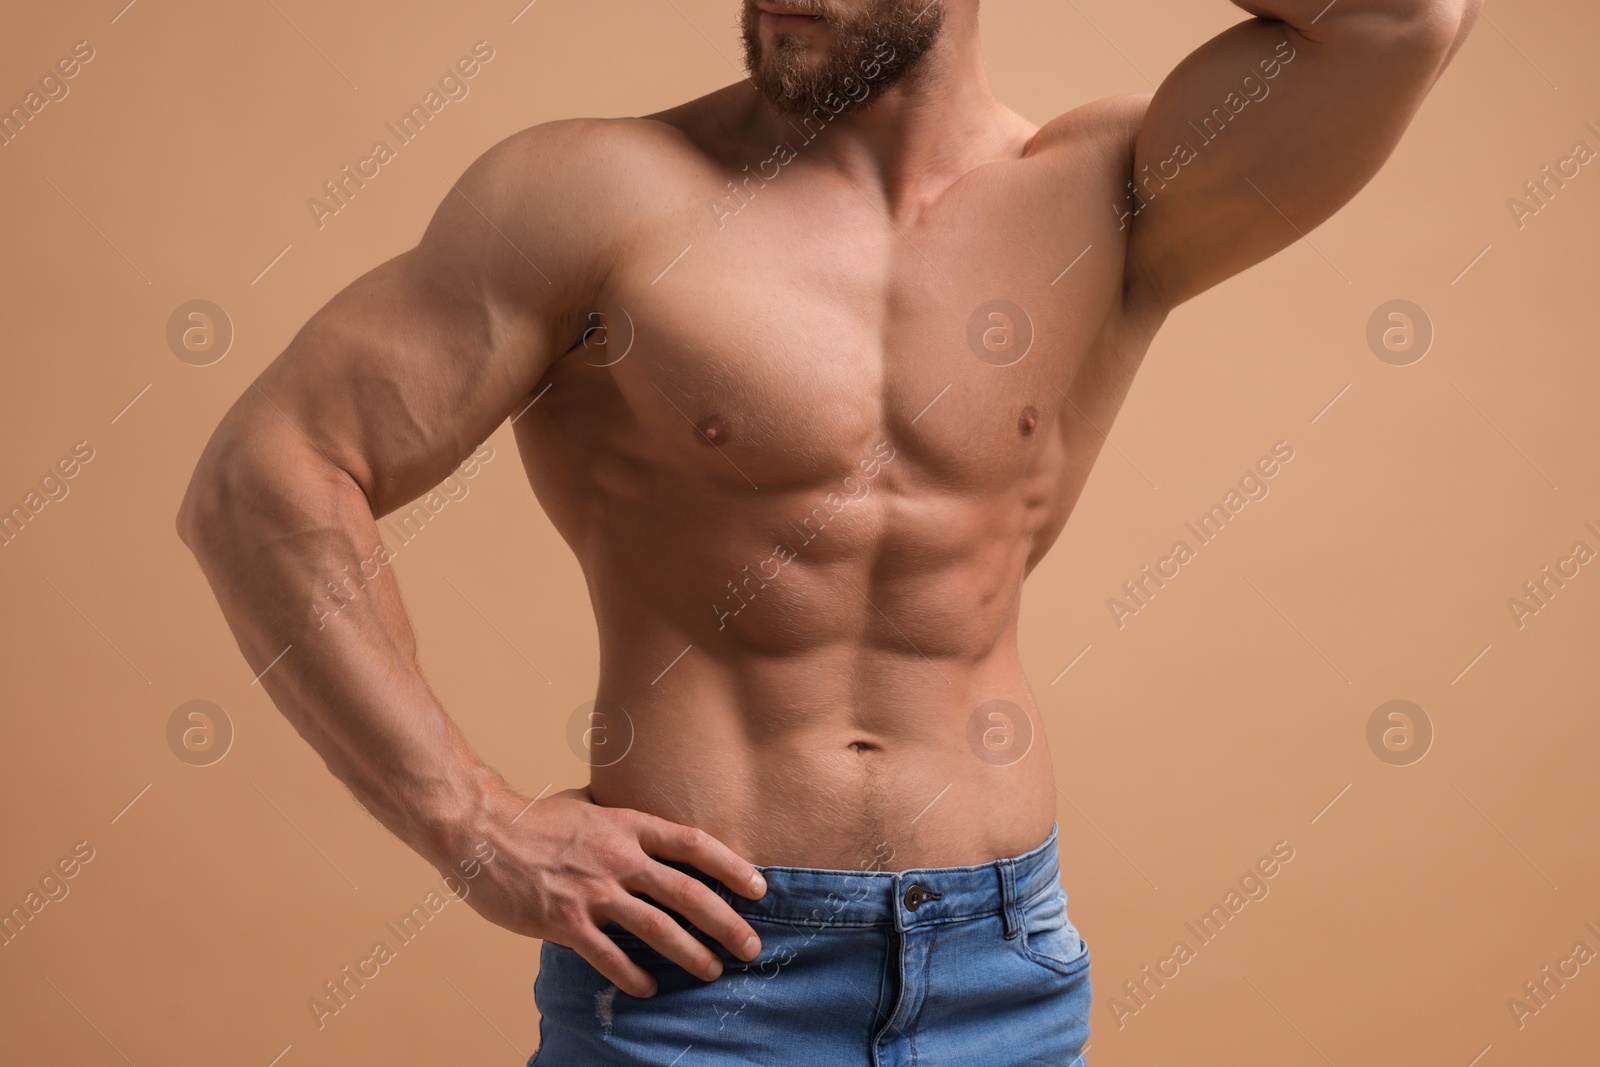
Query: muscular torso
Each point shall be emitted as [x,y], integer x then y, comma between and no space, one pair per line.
[805,488]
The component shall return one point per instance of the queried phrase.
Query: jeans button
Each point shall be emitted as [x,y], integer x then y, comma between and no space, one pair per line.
[915,895]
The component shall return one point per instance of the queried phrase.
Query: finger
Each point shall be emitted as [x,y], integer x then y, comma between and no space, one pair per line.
[691,845]
[696,901]
[658,930]
[605,956]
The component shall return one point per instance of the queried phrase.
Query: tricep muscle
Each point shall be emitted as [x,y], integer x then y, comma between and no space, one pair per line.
[1266,130]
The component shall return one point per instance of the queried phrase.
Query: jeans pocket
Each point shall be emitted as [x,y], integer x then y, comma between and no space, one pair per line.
[1049,938]
[647,955]
[622,935]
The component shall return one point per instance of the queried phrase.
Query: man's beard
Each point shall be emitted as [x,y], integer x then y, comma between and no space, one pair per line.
[870,53]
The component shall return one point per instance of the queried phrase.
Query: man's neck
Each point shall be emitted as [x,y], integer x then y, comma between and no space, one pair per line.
[916,138]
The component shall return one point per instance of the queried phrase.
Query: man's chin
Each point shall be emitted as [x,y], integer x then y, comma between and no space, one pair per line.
[793,71]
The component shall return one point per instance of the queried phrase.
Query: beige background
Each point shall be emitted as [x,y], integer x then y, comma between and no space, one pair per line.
[1228,715]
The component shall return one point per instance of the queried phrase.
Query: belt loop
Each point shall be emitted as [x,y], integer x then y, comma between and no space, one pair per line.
[1008,897]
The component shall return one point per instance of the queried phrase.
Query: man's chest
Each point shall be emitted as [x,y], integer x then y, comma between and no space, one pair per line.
[792,335]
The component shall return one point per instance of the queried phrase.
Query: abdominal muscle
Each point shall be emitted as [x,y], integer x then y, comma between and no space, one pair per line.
[860,752]
[814,688]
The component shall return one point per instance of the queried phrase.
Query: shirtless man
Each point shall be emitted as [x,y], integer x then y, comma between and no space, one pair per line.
[819,364]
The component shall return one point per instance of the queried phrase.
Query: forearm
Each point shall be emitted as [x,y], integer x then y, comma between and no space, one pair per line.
[289,545]
[1448,20]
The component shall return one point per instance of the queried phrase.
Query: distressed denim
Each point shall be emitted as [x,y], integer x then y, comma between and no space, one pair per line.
[932,967]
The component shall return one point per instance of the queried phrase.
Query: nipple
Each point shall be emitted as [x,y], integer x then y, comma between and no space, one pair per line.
[1028,420]
[712,431]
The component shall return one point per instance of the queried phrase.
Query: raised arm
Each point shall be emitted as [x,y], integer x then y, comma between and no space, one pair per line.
[380,395]
[1271,127]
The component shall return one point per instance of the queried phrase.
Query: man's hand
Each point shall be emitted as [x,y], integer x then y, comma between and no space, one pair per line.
[568,866]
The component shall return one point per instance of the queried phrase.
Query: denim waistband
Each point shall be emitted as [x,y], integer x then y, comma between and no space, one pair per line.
[920,896]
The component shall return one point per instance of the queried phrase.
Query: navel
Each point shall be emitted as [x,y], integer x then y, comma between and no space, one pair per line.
[1028,421]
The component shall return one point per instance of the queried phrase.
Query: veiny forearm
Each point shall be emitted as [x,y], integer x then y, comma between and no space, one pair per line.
[288,542]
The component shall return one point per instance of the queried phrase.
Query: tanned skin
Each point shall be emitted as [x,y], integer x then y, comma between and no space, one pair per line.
[813,342]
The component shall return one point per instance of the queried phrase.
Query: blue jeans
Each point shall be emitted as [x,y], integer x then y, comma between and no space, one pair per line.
[937,967]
